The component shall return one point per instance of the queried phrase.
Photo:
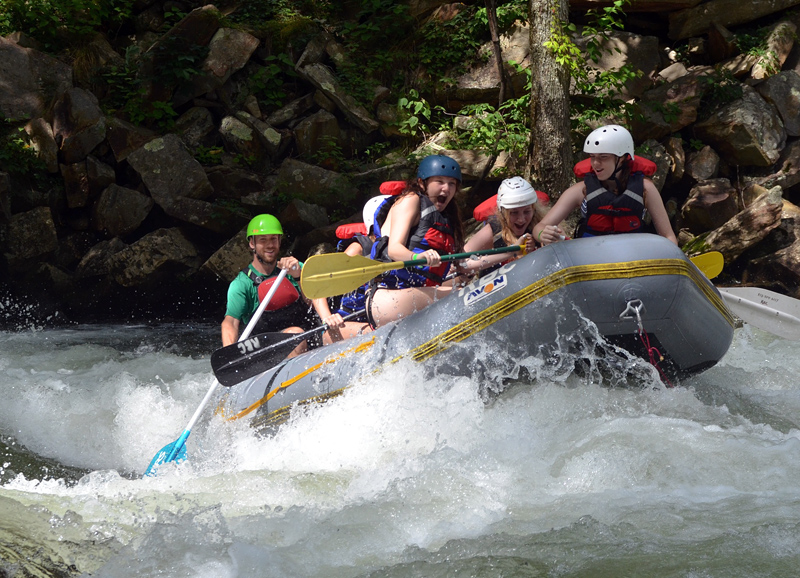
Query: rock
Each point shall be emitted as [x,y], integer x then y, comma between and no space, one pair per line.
[321,77]
[99,175]
[241,139]
[703,164]
[196,127]
[78,124]
[29,236]
[273,141]
[779,43]
[780,270]
[228,51]
[229,259]
[76,184]
[169,171]
[697,20]
[97,260]
[233,183]
[120,211]
[196,29]
[668,108]
[314,185]
[5,198]
[747,227]
[677,156]
[32,81]
[44,143]
[618,49]
[299,217]
[787,174]
[721,43]
[747,132]
[155,260]
[124,138]
[291,111]
[783,92]
[317,133]
[710,204]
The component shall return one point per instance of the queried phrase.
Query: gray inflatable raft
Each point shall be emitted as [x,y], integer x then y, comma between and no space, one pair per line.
[640,291]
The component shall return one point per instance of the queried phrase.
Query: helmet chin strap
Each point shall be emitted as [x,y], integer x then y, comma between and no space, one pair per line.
[617,169]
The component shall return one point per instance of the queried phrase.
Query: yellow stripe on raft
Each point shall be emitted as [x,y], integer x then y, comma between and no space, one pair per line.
[505,307]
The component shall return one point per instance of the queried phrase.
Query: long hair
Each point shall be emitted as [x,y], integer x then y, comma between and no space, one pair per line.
[622,175]
[507,234]
[451,210]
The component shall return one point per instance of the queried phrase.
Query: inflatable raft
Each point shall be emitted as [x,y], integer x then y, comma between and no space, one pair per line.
[640,292]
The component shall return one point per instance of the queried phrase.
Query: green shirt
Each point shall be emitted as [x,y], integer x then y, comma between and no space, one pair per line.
[243,294]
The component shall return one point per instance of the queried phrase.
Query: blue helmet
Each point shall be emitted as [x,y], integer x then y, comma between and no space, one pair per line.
[438,166]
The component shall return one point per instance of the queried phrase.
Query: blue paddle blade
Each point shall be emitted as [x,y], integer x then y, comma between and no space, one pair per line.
[165,455]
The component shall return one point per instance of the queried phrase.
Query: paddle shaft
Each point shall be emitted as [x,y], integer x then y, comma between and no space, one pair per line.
[179,443]
[338,273]
[245,334]
[225,361]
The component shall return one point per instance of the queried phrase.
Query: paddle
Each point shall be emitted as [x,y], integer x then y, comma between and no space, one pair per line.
[176,451]
[245,359]
[338,273]
[775,313]
[710,263]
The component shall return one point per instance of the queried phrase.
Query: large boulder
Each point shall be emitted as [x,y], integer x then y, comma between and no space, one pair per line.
[158,259]
[747,132]
[78,124]
[120,211]
[29,235]
[696,20]
[31,81]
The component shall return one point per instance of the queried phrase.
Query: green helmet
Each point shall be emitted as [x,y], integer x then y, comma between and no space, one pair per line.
[264,225]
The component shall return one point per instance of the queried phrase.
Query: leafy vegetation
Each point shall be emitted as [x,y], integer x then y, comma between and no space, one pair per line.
[597,91]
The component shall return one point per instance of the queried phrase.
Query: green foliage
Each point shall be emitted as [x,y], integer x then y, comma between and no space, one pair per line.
[16,155]
[268,83]
[597,91]
[719,89]
[503,129]
[454,43]
[696,144]
[416,115]
[209,156]
[58,24]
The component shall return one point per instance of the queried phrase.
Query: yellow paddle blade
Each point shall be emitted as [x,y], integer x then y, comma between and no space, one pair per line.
[710,263]
[338,273]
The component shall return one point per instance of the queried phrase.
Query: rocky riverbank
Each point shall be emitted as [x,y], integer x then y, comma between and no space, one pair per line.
[144,223]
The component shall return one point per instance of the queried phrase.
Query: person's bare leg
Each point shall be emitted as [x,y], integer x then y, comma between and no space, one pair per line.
[393,304]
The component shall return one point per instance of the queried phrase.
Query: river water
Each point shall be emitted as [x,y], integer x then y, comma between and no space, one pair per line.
[560,476]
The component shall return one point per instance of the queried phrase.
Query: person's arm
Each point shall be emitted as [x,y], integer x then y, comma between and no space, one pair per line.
[548,230]
[655,206]
[353,249]
[485,242]
[230,330]
[481,240]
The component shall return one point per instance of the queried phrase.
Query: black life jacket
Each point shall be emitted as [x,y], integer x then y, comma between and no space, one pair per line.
[434,231]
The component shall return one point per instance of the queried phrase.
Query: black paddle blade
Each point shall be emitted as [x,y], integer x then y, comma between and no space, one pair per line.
[245,359]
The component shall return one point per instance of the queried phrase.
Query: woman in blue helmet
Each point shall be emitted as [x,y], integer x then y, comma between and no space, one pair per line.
[613,198]
[422,223]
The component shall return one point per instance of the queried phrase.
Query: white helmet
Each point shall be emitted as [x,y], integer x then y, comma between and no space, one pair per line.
[368,214]
[515,192]
[612,139]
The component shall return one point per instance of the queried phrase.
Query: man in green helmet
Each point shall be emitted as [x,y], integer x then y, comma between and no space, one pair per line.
[288,310]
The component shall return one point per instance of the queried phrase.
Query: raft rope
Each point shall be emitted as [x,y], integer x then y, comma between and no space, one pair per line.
[633,309]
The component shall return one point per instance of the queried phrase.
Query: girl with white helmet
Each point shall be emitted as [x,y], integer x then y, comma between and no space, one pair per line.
[518,211]
[613,199]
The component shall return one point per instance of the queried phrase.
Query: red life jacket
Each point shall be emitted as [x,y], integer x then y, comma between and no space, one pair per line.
[285,295]
[638,165]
